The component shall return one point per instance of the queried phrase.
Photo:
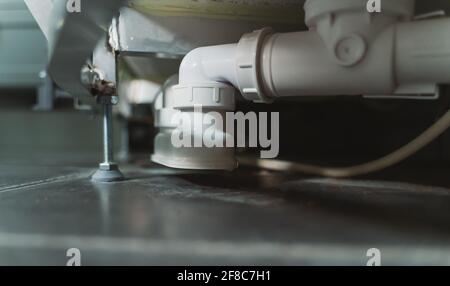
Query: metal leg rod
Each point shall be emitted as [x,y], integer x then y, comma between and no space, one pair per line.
[108,147]
[108,170]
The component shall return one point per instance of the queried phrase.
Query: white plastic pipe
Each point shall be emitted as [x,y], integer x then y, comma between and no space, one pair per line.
[345,53]
[409,58]
[298,64]
[209,64]
[423,52]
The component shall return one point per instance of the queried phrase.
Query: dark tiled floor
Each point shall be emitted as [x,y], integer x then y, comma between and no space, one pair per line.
[163,216]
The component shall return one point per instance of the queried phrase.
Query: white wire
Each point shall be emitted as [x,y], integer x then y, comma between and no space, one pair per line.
[395,157]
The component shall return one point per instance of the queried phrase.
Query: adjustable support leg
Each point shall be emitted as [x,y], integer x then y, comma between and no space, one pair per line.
[108,170]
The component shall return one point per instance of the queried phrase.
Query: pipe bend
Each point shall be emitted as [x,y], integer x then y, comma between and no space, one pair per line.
[398,57]
[204,65]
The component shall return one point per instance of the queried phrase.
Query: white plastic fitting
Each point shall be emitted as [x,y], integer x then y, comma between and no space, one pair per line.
[173,105]
[347,51]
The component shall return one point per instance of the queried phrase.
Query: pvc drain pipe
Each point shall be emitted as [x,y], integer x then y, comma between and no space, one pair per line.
[352,51]
[177,118]
[347,51]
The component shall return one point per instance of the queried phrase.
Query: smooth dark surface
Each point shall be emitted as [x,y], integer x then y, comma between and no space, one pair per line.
[160,216]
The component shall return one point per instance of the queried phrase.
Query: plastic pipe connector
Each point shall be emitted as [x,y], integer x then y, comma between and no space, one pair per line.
[347,51]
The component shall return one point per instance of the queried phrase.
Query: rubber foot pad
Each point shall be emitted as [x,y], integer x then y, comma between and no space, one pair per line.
[103,176]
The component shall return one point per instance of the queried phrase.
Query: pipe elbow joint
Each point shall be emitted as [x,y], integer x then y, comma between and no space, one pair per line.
[238,66]
[205,80]
[191,68]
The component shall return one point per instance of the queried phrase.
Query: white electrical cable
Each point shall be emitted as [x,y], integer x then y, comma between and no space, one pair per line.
[395,157]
